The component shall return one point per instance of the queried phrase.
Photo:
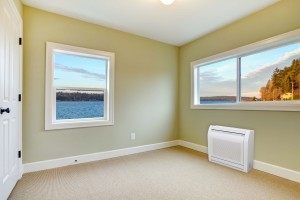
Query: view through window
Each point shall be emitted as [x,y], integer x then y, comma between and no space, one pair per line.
[217,82]
[272,75]
[79,87]
[268,76]
[80,84]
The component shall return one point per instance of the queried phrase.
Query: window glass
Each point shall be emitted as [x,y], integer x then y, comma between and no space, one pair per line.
[217,82]
[80,85]
[272,75]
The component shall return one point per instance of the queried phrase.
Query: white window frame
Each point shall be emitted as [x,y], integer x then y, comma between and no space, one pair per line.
[274,42]
[50,92]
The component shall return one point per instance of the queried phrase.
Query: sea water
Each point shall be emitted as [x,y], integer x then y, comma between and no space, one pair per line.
[79,109]
[217,102]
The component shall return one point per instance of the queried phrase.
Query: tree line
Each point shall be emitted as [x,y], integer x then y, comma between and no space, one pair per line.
[77,96]
[226,98]
[283,81]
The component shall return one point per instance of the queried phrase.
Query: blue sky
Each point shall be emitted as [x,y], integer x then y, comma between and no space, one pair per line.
[220,78]
[77,71]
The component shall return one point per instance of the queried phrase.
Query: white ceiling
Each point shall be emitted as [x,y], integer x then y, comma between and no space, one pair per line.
[176,24]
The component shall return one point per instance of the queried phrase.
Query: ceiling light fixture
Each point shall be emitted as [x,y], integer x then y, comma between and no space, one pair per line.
[167,2]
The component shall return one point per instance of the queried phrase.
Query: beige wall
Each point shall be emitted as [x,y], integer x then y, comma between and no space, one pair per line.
[277,134]
[146,89]
[146,92]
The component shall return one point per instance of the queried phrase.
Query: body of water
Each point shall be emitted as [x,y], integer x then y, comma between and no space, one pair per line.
[79,109]
[216,102]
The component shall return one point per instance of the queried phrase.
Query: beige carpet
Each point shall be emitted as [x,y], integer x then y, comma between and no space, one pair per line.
[172,173]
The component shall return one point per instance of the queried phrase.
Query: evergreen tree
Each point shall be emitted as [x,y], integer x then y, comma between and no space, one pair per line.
[283,81]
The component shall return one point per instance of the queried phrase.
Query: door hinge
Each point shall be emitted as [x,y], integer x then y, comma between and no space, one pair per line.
[19,154]
[20,41]
[20,97]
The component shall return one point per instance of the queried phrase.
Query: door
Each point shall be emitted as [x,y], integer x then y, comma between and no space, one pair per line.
[10,88]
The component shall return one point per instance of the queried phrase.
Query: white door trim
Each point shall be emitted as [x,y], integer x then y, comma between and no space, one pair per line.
[11,87]
[20,21]
[16,12]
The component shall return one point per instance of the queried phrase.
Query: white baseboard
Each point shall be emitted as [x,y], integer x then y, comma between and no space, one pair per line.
[61,162]
[193,146]
[262,166]
[278,171]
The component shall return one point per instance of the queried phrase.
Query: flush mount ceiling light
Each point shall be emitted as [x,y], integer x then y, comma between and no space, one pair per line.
[167,2]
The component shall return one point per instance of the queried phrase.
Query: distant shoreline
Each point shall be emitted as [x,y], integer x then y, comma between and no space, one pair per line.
[78,101]
[228,98]
[79,96]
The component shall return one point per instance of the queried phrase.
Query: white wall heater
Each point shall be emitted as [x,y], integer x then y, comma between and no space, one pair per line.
[231,147]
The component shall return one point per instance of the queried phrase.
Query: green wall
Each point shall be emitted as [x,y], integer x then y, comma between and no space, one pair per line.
[146,88]
[277,134]
[152,88]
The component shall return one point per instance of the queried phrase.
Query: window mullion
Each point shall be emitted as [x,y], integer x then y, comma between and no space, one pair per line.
[238,94]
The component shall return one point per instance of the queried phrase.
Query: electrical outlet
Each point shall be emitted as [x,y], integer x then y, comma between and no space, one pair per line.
[132,136]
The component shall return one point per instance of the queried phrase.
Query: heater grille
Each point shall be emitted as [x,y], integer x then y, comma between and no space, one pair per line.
[231,147]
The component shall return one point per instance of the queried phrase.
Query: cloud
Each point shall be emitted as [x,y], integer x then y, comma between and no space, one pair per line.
[253,81]
[210,76]
[285,60]
[56,78]
[83,72]
[214,84]
[224,88]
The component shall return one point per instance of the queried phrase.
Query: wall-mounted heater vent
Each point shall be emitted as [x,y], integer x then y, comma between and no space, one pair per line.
[232,147]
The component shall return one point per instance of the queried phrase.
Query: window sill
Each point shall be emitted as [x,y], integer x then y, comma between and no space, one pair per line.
[262,106]
[67,124]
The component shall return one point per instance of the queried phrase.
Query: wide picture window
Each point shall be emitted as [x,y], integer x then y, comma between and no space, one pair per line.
[261,76]
[79,87]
